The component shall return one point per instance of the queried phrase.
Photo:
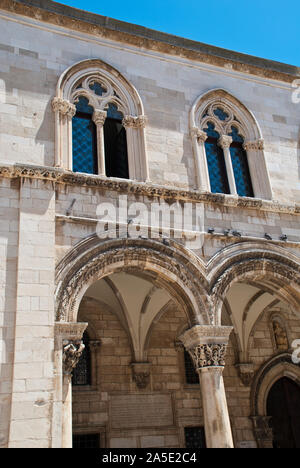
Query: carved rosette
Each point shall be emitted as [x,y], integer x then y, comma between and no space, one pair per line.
[63,107]
[208,355]
[72,351]
[130,121]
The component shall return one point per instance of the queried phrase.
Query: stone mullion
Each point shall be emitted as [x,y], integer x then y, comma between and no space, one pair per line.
[99,119]
[225,142]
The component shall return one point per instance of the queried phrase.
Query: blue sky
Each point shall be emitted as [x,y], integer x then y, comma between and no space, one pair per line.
[264,28]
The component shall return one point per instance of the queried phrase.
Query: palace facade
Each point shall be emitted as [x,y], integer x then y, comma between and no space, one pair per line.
[149,238]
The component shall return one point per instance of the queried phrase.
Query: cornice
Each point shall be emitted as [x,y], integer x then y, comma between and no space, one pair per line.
[90,23]
[130,187]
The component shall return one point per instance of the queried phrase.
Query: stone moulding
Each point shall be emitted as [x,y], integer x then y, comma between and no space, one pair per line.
[147,189]
[103,27]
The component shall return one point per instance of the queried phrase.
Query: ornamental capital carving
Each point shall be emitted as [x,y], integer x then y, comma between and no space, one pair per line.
[72,351]
[208,355]
[225,141]
[130,121]
[199,134]
[64,107]
[99,117]
[258,145]
[141,374]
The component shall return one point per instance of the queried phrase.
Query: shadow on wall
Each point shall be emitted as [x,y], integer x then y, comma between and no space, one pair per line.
[298,163]
[45,136]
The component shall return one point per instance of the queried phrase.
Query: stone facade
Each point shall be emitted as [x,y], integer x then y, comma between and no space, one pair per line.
[139,298]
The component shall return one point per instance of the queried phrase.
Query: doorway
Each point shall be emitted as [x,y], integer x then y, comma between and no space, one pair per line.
[283,405]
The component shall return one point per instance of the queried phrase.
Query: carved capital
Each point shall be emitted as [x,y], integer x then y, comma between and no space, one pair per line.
[141,374]
[207,344]
[64,107]
[208,355]
[225,141]
[257,145]
[199,134]
[72,350]
[246,373]
[130,121]
[99,117]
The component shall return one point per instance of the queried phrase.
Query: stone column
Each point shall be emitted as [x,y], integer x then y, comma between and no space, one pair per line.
[198,138]
[99,117]
[137,155]
[207,347]
[258,170]
[225,142]
[64,112]
[68,349]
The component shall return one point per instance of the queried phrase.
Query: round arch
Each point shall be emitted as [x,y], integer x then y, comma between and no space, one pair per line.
[175,268]
[256,263]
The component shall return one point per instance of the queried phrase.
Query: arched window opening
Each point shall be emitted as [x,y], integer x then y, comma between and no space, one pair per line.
[84,138]
[215,161]
[228,147]
[99,122]
[82,372]
[115,143]
[240,165]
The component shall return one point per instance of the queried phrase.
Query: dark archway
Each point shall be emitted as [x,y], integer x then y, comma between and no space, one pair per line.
[283,405]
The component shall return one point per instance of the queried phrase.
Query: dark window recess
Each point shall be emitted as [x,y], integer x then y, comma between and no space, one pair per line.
[240,165]
[88,441]
[82,372]
[194,438]
[216,162]
[84,139]
[115,143]
[191,375]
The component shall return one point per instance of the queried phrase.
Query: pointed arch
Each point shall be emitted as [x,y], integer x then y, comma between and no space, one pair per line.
[236,125]
[106,92]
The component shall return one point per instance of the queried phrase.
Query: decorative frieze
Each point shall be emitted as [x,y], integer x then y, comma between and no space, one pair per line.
[62,176]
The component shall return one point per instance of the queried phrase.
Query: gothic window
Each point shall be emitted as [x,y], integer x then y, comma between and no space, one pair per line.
[191,375]
[99,123]
[82,372]
[228,147]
